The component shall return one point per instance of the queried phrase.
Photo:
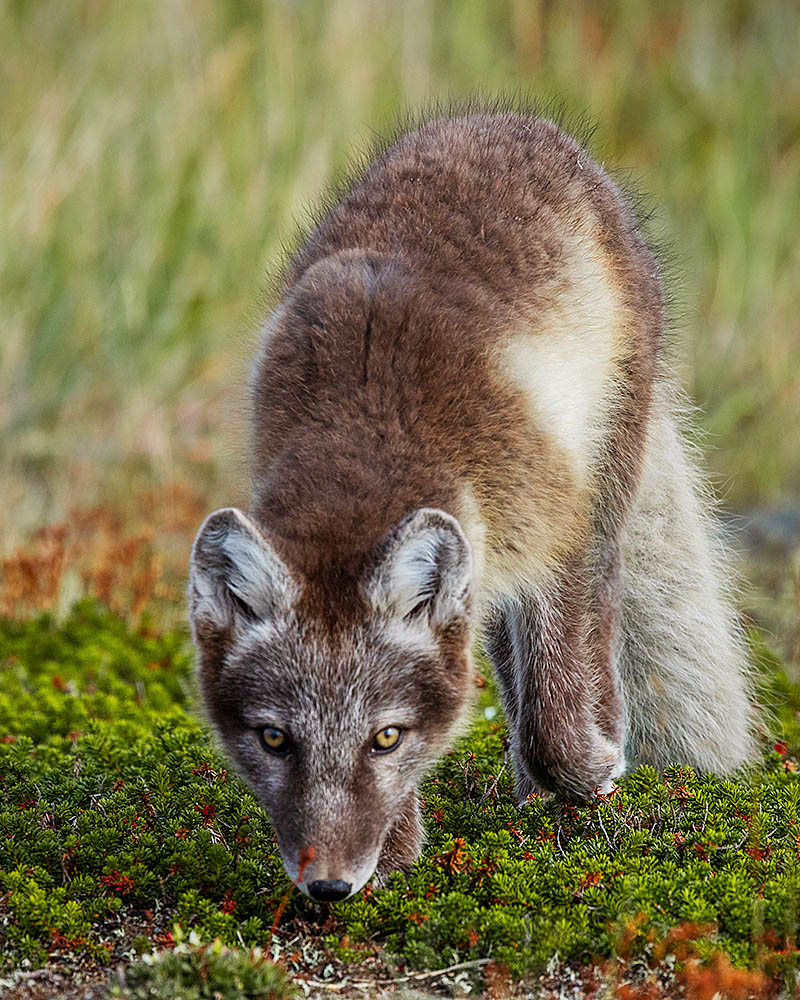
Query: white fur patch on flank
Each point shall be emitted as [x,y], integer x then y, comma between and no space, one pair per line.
[566,362]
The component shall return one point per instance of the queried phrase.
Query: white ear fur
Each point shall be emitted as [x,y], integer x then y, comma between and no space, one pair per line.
[426,562]
[235,575]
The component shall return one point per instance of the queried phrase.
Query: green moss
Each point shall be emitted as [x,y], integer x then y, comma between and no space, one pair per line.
[114,804]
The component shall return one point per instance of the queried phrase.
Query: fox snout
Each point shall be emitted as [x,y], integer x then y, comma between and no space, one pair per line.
[329,892]
[325,881]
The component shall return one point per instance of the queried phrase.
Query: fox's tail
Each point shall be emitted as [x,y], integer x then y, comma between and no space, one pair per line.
[683,661]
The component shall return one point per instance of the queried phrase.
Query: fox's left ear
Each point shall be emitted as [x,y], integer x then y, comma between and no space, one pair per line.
[424,567]
[235,576]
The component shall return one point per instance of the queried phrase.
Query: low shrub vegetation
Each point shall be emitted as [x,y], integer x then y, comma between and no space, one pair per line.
[191,971]
[119,820]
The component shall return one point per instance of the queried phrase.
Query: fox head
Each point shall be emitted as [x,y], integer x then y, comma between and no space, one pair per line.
[333,727]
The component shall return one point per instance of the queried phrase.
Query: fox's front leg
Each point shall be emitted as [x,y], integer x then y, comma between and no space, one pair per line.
[404,841]
[569,733]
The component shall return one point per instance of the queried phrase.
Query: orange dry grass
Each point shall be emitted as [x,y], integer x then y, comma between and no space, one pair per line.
[694,978]
[130,562]
[718,978]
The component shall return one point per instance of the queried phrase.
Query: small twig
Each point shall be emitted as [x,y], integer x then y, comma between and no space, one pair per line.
[602,827]
[416,976]
[734,847]
[492,787]
[476,964]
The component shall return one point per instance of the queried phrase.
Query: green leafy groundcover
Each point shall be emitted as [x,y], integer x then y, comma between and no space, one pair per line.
[114,804]
[192,971]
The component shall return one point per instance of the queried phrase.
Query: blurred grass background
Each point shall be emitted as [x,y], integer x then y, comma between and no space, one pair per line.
[155,155]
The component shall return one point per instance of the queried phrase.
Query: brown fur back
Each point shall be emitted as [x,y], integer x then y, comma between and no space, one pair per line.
[381,366]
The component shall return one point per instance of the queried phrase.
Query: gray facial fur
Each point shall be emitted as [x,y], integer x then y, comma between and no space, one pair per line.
[264,666]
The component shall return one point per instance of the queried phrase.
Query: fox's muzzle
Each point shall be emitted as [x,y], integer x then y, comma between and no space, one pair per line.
[322,878]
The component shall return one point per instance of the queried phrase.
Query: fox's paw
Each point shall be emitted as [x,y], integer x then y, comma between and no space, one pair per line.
[610,753]
[576,773]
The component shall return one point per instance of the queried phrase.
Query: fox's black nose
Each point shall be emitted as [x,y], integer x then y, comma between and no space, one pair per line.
[329,892]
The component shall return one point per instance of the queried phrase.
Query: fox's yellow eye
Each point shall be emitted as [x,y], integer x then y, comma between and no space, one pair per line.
[274,740]
[387,739]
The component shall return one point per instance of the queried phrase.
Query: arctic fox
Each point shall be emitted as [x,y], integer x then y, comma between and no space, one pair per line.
[462,420]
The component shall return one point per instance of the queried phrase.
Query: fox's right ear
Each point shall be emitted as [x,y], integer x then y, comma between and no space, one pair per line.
[235,576]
